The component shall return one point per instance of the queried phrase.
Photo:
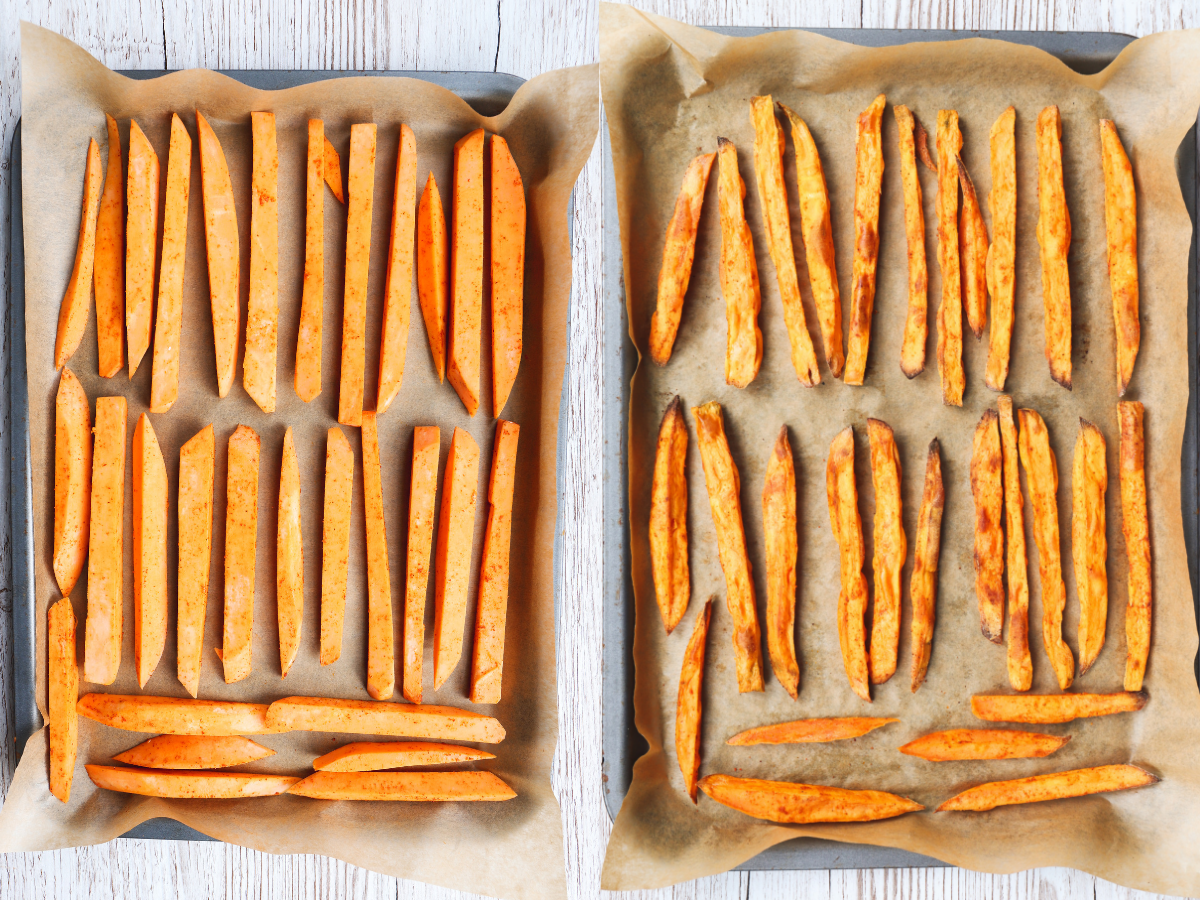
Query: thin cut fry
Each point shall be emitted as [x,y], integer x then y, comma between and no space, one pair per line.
[668,518]
[868,182]
[77,300]
[373,717]
[241,535]
[262,317]
[62,694]
[106,545]
[335,542]
[194,751]
[847,531]
[195,552]
[72,480]
[891,550]
[421,506]
[361,188]
[149,550]
[923,584]
[187,786]
[1053,709]
[508,271]
[381,650]
[109,261]
[987,488]
[983,743]
[724,497]
[1001,256]
[1054,786]
[456,531]
[809,731]
[1054,240]
[466,271]
[921,138]
[171,715]
[432,272]
[1089,547]
[916,325]
[949,338]
[1020,666]
[367,756]
[785,801]
[1136,526]
[136,307]
[739,273]
[1120,217]
[289,557]
[333,170]
[410,786]
[688,703]
[398,287]
[224,256]
[168,326]
[779,538]
[310,336]
[973,249]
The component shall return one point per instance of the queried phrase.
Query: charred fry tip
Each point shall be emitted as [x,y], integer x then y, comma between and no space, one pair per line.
[964,177]
[721,142]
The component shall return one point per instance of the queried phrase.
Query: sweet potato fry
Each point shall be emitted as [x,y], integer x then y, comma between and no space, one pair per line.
[361,188]
[241,535]
[739,273]
[456,531]
[923,583]
[487,662]
[381,650]
[916,325]
[168,326]
[808,731]
[1053,709]
[772,197]
[1135,524]
[987,488]
[847,531]
[785,801]
[134,311]
[171,715]
[668,518]
[195,552]
[106,545]
[373,717]
[891,549]
[367,756]
[1054,786]
[508,271]
[1041,474]
[724,497]
[221,244]
[949,338]
[335,542]
[194,751]
[77,300]
[983,743]
[310,336]
[187,786]
[868,182]
[688,703]
[432,285]
[1089,547]
[1054,240]
[818,241]
[262,316]
[1020,666]
[333,170]
[972,251]
[1120,218]
[1001,263]
[679,250]
[149,550]
[779,538]
[62,694]
[466,271]
[398,287]
[72,480]
[419,786]
[289,557]
[921,139]
[109,261]
[421,506]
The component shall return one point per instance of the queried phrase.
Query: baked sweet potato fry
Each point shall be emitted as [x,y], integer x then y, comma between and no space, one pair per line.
[456,532]
[987,489]
[916,324]
[188,786]
[194,751]
[466,271]
[668,518]
[1054,240]
[1020,666]
[136,308]
[333,170]
[421,506]
[262,315]
[508,271]
[168,325]
[972,251]
[109,262]
[411,786]
[241,536]
[688,703]
[381,650]
[149,550]
[1120,218]
[77,300]
[221,244]
[359,209]
[374,717]
[72,480]
[171,715]
[62,690]
[891,550]
[335,541]
[847,531]
[983,743]
[1002,254]
[311,332]
[289,557]
[367,756]
[949,338]
[808,731]
[1053,709]
[923,582]
[1135,524]
[398,285]
[779,538]
[106,545]
[1089,546]
[868,182]
[432,272]
[739,273]
[1054,786]
[195,553]
[724,496]
[785,801]
[921,139]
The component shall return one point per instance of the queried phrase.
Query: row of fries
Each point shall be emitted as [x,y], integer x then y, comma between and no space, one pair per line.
[972,269]
[118,236]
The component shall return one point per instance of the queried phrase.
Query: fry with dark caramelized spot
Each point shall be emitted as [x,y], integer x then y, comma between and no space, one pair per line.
[891,549]
[785,801]
[949,338]
[1020,666]
[1120,218]
[668,518]
[1089,547]
[1054,786]
[779,538]
[739,273]
[1002,254]
[1054,240]
[987,489]
[921,138]
[972,250]
[868,182]
[847,531]
[687,704]
[983,743]
[1053,709]
[809,731]
[923,583]
[1136,526]
[916,325]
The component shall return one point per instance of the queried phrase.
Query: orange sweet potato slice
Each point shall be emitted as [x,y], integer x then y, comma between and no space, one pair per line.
[333,169]
[188,786]
[916,324]
[987,489]
[949,338]
[374,717]
[289,557]
[1054,241]
[668,518]
[891,550]
[195,552]
[72,480]
[409,786]
[1001,263]
[398,286]
[149,550]
[106,545]
[1053,786]
[194,751]
[688,703]
[172,715]
[77,300]
[168,326]
[361,188]
[241,537]
[983,743]
[221,245]
[1135,524]
[381,650]
[781,548]
[1089,546]
[421,507]
[923,583]
[844,517]
[466,271]
[739,273]
[335,542]
[868,182]
[62,695]
[1052,709]
[262,316]
[371,756]
[109,261]
[432,272]
[508,271]
[785,801]
[311,333]
[1120,217]
[972,251]
[809,731]
[1020,666]
[456,532]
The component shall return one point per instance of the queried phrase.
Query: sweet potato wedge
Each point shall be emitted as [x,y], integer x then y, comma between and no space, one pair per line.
[983,743]
[688,703]
[333,170]
[466,271]
[72,480]
[194,751]
[1053,709]
[77,300]
[781,550]
[188,786]
[987,489]
[785,801]
[923,583]
[1135,524]
[891,550]
[1001,262]
[846,522]
[432,272]
[972,251]
[381,649]
[149,550]
[171,715]
[335,542]
[949,338]
[224,256]
[808,731]
[168,325]
[1054,240]
[668,518]
[421,506]
[868,182]
[195,552]
[1089,546]
[916,324]
[62,691]
[1020,666]
[1054,786]
[241,537]
[367,756]
[134,311]
[1120,218]
[289,557]
[419,786]
[739,273]
[456,532]
[373,717]
[361,190]
[262,315]
[398,286]
[106,545]
[508,271]
[311,332]
[109,261]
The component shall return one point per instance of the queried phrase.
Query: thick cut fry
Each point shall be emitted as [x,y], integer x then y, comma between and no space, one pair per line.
[739,273]
[262,316]
[846,521]
[868,182]
[72,480]
[77,300]
[983,743]
[1041,474]
[421,505]
[106,545]
[972,250]
[109,261]
[949,337]
[373,717]
[1020,666]
[508,271]
[149,550]
[193,751]
[772,197]
[310,336]
[1054,786]
[62,694]
[724,497]
[1135,524]
[1054,240]
[381,650]
[367,756]
[1053,709]
[916,325]
[1001,263]
[361,188]
[335,541]
[398,286]
[411,786]
[987,489]
[785,801]
[289,557]
[134,311]
[456,532]
[923,584]
[195,552]
[487,663]
[688,703]
[241,536]
[168,326]
[818,241]
[466,271]
[679,250]
[333,170]
[432,272]
[668,518]
[1089,546]
[808,731]
[1120,218]
[224,256]
[171,715]
[186,786]
[779,538]
[891,550]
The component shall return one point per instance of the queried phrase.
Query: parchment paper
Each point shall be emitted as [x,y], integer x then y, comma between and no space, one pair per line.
[669,92]
[511,849]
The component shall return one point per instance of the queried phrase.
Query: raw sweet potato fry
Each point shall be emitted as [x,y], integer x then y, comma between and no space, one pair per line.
[679,250]
[289,557]
[381,650]
[785,801]
[916,325]
[135,311]
[809,731]
[62,694]
[195,552]
[923,584]
[1020,666]
[1054,240]
[168,326]
[466,271]
[668,518]
[688,703]
[779,538]
[1135,525]
[188,786]
[508,271]
[1120,217]
[149,550]
[868,182]
[368,756]
[1041,474]
[987,489]
[335,541]
[949,338]
[106,545]
[374,717]
[398,286]
[241,535]
[109,261]
[724,497]
[194,751]
[847,531]
[1002,254]
[262,316]
[1089,547]
[77,300]
[456,531]
[72,480]
[972,251]
[171,715]
[333,170]
[419,786]
[739,273]
[421,506]
[983,743]
[310,336]
[432,272]
[891,550]
[772,197]
[1053,709]
[1054,786]
[361,188]
[221,244]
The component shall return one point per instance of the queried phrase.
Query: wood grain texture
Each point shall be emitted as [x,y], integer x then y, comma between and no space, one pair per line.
[524,37]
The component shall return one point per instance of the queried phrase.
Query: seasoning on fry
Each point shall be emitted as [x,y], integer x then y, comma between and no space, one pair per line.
[847,531]
[310,335]
[1053,709]
[108,271]
[891,549]
[1054,786]
[77,300]
[949,338]
[923,584]
[62,693]
[808,731]
[785,801]
[106,545]
[868,182]
[972,249]
[1002,254]
[916,325]
[1136,526]
[1054,239]
[688,703]
[72,480]
[1089,547]
[987,489]
[168,324]
[739,273]
[983,743]
[195,515]
[779,537]
[668,518]
[1120,219]
[1020,666]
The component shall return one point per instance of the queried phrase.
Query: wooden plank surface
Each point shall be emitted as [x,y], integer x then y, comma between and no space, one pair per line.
[523,37]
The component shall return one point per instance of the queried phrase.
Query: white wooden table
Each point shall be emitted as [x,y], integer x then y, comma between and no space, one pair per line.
[523,37]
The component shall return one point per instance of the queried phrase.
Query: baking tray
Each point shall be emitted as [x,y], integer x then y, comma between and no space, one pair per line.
[1087,53]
